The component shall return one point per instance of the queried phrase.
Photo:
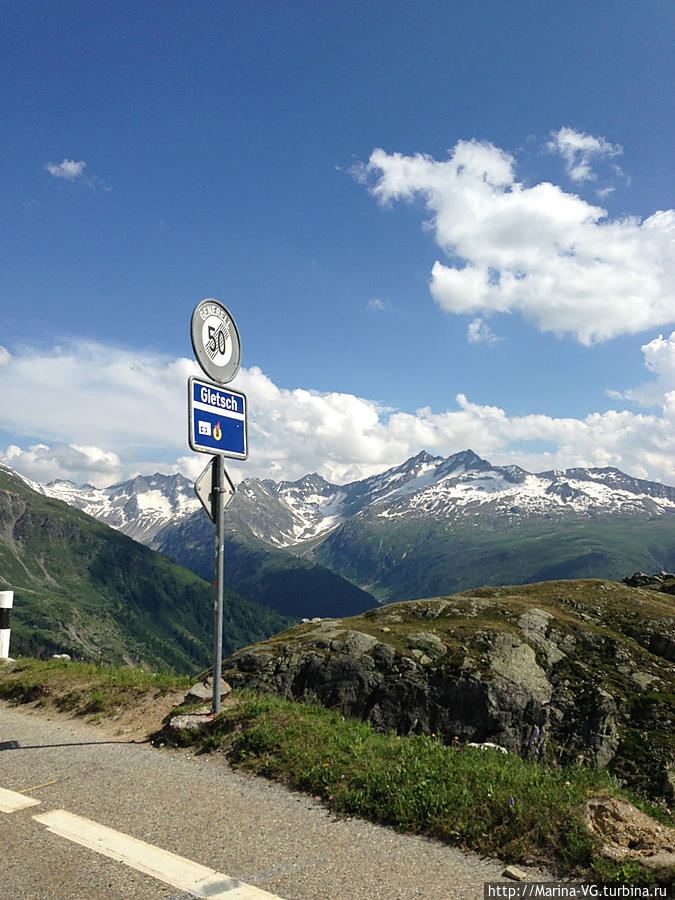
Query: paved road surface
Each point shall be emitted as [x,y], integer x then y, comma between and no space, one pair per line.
[237,826]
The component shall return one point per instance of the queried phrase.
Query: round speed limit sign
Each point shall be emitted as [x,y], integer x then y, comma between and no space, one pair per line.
[215,340]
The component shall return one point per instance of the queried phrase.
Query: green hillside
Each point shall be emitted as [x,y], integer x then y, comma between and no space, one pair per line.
[83,588]
[403,560]
[272,576]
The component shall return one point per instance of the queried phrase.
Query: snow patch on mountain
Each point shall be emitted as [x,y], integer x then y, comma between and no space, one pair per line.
[139,508]
[461,488]
[154,502]
[314,513]
[473,493]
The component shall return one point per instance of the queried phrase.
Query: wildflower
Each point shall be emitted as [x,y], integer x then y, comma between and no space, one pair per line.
[512,802]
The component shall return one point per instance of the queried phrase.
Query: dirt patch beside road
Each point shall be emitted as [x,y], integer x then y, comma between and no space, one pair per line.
[119,703]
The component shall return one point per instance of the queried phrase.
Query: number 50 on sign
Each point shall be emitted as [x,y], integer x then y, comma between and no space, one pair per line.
[215,340]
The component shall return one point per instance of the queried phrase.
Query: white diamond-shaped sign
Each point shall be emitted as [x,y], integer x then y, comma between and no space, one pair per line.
[205,489]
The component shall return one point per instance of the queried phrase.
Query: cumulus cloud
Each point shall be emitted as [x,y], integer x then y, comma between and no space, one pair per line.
[92,394]
[95,413]
[74,171]
[479,332]
[45,463]
[659,357]
[538,251]
[5,356]
[68,169]
[579,150]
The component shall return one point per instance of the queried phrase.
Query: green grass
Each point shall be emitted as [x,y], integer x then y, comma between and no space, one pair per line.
[486,801]
[82,687]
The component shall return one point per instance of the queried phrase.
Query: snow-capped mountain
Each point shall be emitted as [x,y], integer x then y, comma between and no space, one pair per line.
[462,489]
[139,508]
[431,525]
[465,487]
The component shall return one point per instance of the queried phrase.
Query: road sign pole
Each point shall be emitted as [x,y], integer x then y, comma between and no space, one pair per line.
[220,570]
[217,425]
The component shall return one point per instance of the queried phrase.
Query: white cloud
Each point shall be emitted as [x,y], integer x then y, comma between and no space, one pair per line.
[96,413]
[88,393]
[479,332]
[68,169]
[74,171]
[579,150]
[45,463]
[540,251]
[5,356]
[378,305]
[660,359]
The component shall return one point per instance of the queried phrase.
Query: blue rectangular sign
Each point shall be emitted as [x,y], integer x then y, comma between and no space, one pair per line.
[216,419]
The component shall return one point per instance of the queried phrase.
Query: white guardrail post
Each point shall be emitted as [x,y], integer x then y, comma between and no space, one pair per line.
[6,603]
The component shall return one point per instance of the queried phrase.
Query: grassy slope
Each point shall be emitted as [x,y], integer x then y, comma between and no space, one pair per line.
[82,688]
[483,801]
[83,588]
[612,631]
[276,578]
[406,560]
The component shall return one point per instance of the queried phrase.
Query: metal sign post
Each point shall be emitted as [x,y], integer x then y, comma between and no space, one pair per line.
[220,570]
[216,425]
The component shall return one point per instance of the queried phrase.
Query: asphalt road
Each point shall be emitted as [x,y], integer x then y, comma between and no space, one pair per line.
[238,826]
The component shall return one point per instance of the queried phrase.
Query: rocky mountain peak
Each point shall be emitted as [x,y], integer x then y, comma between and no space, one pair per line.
[452,495]
[465,461]
[422,457]
[312,482]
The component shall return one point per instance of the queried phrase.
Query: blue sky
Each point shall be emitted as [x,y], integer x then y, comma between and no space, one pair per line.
[437,225]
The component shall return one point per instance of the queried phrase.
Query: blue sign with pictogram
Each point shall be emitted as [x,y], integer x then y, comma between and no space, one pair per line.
[216,419]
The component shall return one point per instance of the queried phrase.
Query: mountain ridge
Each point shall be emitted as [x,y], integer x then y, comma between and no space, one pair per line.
[86,589]
[430,525]
[298,512]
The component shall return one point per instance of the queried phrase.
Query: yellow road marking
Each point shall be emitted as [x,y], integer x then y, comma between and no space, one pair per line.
[37,787]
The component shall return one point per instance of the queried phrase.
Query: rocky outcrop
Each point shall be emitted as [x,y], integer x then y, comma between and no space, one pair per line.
[562,671]
[660,581]
[626,833]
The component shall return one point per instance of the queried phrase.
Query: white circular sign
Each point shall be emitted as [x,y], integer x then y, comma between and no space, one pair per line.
[215,340]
